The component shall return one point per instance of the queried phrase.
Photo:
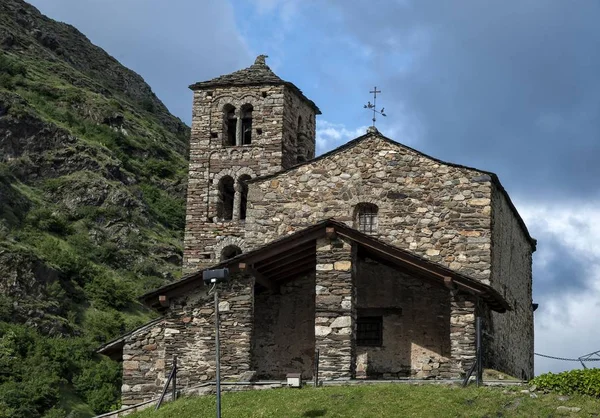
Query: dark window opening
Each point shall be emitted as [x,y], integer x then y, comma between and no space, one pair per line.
[244,195]
[264,94]
[229,125]
[247,124]
[229,252]
[300,159]
[226,196]
[366,217]
[369,331]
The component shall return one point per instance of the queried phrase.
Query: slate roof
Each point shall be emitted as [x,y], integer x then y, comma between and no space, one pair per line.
[374,132]
[257,74]
[291,256]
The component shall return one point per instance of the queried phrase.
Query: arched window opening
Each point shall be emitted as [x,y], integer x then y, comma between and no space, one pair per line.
[365,217]
[226,196]
[229,252]
[247,124]
[244,195]
[229,125]
[299,124]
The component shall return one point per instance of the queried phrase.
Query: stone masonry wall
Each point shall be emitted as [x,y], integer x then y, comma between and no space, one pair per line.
[437,211]
[210,160]
[188,332]
[335,310]
[144,366]
[462,333]
[416,323]
[284,333]
[510,335]
[274,110]
[298,141]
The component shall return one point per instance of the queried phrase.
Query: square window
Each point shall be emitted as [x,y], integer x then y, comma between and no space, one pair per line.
[369,331]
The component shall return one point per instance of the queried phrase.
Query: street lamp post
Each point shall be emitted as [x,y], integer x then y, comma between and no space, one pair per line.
[214,277]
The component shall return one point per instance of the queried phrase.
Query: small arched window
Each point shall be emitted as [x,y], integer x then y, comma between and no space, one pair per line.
[365,217]
[299,124]
[244,195]
[229,252]
[226,197]
[247,124]
[229,125]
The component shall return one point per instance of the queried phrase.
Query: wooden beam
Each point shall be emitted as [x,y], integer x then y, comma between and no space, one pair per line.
[294,274]
[307,264]
[259,277]
[295,261]
[277,248]
[449,283]
[287,255]
[330,232]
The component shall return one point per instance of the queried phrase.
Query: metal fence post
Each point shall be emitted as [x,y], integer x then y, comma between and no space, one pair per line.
[175,377]
[316,371]
[479,353]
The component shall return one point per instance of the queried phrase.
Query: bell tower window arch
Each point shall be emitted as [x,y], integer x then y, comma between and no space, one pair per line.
[225,203]
[243,188]
[229,125]
[246,128]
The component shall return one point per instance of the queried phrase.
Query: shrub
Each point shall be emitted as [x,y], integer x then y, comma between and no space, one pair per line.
[11,66]
[102,326]
[148,105]
[99,384]
[105,292]
[584,382]
[168,210]
[48,220]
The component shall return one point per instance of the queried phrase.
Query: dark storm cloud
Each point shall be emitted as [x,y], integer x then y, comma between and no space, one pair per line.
[507,86]
[564,274]
[171,44]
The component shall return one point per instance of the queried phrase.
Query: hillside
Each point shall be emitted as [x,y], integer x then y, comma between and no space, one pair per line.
[92,187]
[383,400]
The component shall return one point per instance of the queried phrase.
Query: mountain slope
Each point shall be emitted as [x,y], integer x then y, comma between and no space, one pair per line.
[92,188]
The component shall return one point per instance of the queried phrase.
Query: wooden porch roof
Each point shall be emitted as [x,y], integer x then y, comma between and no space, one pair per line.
[294,255]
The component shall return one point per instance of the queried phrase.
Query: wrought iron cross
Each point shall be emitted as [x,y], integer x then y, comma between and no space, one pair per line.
[372,107]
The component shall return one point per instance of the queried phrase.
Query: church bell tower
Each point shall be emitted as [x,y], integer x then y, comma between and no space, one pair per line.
[245,124]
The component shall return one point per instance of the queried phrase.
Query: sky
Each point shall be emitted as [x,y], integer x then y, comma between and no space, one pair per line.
[510,87]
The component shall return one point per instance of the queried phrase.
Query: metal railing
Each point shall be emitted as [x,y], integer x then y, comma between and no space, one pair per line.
[172,377]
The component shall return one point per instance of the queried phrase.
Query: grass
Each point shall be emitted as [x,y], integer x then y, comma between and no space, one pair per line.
[382,400]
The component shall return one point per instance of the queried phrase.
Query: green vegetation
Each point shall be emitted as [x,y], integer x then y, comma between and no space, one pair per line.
[91,215]
[583,382]
[385,400]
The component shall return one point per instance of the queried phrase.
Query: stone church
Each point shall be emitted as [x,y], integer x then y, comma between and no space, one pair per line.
[376,255]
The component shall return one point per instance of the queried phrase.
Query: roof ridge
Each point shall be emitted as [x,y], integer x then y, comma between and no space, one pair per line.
[258,73]
[375,133]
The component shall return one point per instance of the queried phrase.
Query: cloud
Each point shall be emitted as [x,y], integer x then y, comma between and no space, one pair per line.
[332,135]
[566,279]
[507,86]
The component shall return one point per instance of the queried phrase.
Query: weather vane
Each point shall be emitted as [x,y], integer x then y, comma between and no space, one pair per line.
[372,107]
